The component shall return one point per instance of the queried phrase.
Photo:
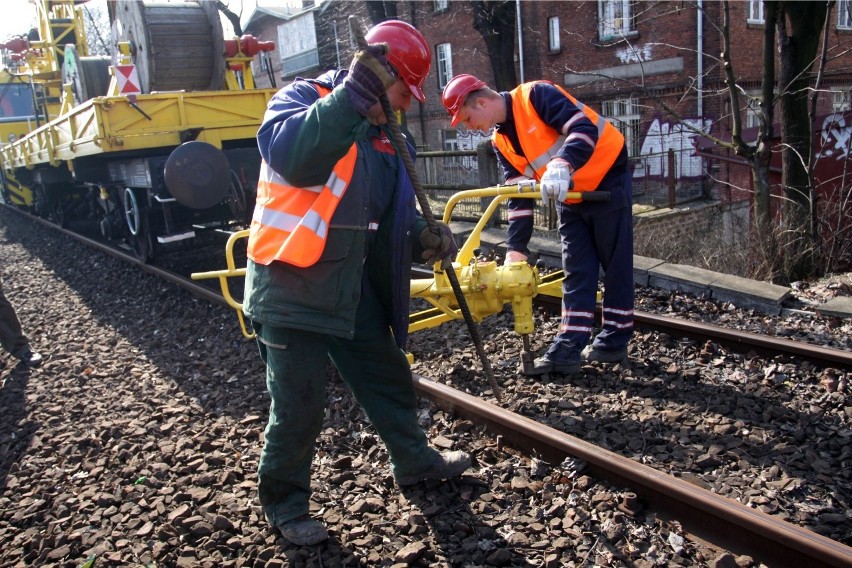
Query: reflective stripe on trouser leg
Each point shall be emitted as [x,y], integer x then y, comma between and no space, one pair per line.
[379,376]
[296,367]
[580,285]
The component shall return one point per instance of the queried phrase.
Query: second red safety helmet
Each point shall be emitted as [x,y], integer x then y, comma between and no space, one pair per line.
[456,92]
[409,52]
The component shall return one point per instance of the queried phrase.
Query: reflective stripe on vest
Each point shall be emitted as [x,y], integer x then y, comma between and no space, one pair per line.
[540,142]
[290,224]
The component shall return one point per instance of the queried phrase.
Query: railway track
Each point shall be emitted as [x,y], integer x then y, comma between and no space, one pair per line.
[718,520]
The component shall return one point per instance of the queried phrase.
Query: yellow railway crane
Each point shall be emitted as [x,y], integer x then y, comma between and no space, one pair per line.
[155,150]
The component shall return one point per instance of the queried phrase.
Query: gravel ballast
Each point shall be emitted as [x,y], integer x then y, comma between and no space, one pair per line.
[136,443]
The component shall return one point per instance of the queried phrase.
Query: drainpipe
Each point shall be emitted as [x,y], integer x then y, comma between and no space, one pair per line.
[421,113]
[699,105]
[520,39]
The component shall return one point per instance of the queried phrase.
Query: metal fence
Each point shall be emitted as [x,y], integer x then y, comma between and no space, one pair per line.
[662,180]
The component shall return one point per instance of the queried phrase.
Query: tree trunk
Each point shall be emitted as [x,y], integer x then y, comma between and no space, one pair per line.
[495,21]
[765,235]
[799,28]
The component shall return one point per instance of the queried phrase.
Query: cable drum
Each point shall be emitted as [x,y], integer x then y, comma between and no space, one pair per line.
[88,76]
[175,45]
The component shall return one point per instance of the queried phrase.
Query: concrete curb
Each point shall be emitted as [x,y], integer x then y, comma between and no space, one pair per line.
[764,297]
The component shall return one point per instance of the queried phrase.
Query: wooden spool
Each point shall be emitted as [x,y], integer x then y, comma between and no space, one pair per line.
[176,45]
[88,76]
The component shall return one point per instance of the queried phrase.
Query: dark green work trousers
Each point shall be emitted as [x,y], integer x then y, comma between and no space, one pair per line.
[376,371]
[12,338]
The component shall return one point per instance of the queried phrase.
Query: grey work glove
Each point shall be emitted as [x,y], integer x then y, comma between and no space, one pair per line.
[438,247]
[369,77]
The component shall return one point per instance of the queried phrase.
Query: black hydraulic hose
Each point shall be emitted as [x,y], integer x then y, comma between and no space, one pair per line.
[426,210]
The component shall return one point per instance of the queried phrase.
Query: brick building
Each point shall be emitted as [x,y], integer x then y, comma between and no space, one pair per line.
[653,68]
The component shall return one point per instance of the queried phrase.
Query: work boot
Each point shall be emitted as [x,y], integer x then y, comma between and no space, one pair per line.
[601,355]
[558,359]
[303,531]
[31,358]
[445,466]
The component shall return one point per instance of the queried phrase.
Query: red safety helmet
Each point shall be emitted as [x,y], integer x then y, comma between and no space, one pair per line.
[457,91]
[409,52]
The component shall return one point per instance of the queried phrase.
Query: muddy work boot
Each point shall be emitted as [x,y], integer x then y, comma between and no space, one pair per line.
[602,355]
[445,466]
[558,359]
[303,531]
[30,358]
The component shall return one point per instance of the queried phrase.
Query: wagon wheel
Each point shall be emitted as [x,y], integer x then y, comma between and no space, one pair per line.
[136,217]
[41,206]
[57,211]
[237,198]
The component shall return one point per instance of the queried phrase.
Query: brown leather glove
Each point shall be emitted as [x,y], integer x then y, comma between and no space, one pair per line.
[438,246]
[369,77]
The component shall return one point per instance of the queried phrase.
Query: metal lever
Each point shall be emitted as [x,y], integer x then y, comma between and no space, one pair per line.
[426,211]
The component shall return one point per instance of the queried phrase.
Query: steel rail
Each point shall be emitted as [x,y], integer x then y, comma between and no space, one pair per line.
[737,339]
[203,292]
[718,520]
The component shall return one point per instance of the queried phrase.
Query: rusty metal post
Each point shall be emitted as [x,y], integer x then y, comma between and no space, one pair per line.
[487,170]
[671,177]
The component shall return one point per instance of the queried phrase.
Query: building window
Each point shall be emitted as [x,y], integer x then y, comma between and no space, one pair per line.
[841,101]
[755,12]
[625,115]
[441,5]
[553,33]
[844,15]
[445,64]
[615,19]
[752,117]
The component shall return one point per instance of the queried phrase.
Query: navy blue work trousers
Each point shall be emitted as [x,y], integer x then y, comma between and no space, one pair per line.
[595,236]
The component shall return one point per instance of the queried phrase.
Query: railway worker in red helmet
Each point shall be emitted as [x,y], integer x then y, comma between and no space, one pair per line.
[542,133]
[332,239]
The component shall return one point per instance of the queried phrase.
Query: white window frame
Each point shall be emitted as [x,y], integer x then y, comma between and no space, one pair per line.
[615,19]
[553,41]
[841,99]
[625,115]
[844,14]
[444,63]
[755,12]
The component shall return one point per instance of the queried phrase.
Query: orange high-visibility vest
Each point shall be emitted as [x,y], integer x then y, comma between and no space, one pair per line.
[290,224]
[540,142]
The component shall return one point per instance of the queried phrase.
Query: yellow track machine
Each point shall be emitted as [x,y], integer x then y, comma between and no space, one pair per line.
[487,286]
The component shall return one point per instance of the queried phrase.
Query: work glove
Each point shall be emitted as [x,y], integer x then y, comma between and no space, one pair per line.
[515,256]
[369,77]
[438,247]
[524,183]
[556,181]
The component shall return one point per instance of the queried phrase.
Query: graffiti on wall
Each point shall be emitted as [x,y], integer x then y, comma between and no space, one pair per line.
[470,140]
[662,136]
[835,137]
[635,53]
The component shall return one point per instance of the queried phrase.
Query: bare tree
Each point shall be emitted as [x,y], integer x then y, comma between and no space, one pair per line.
[800,25]
[231,16]
[495,21]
